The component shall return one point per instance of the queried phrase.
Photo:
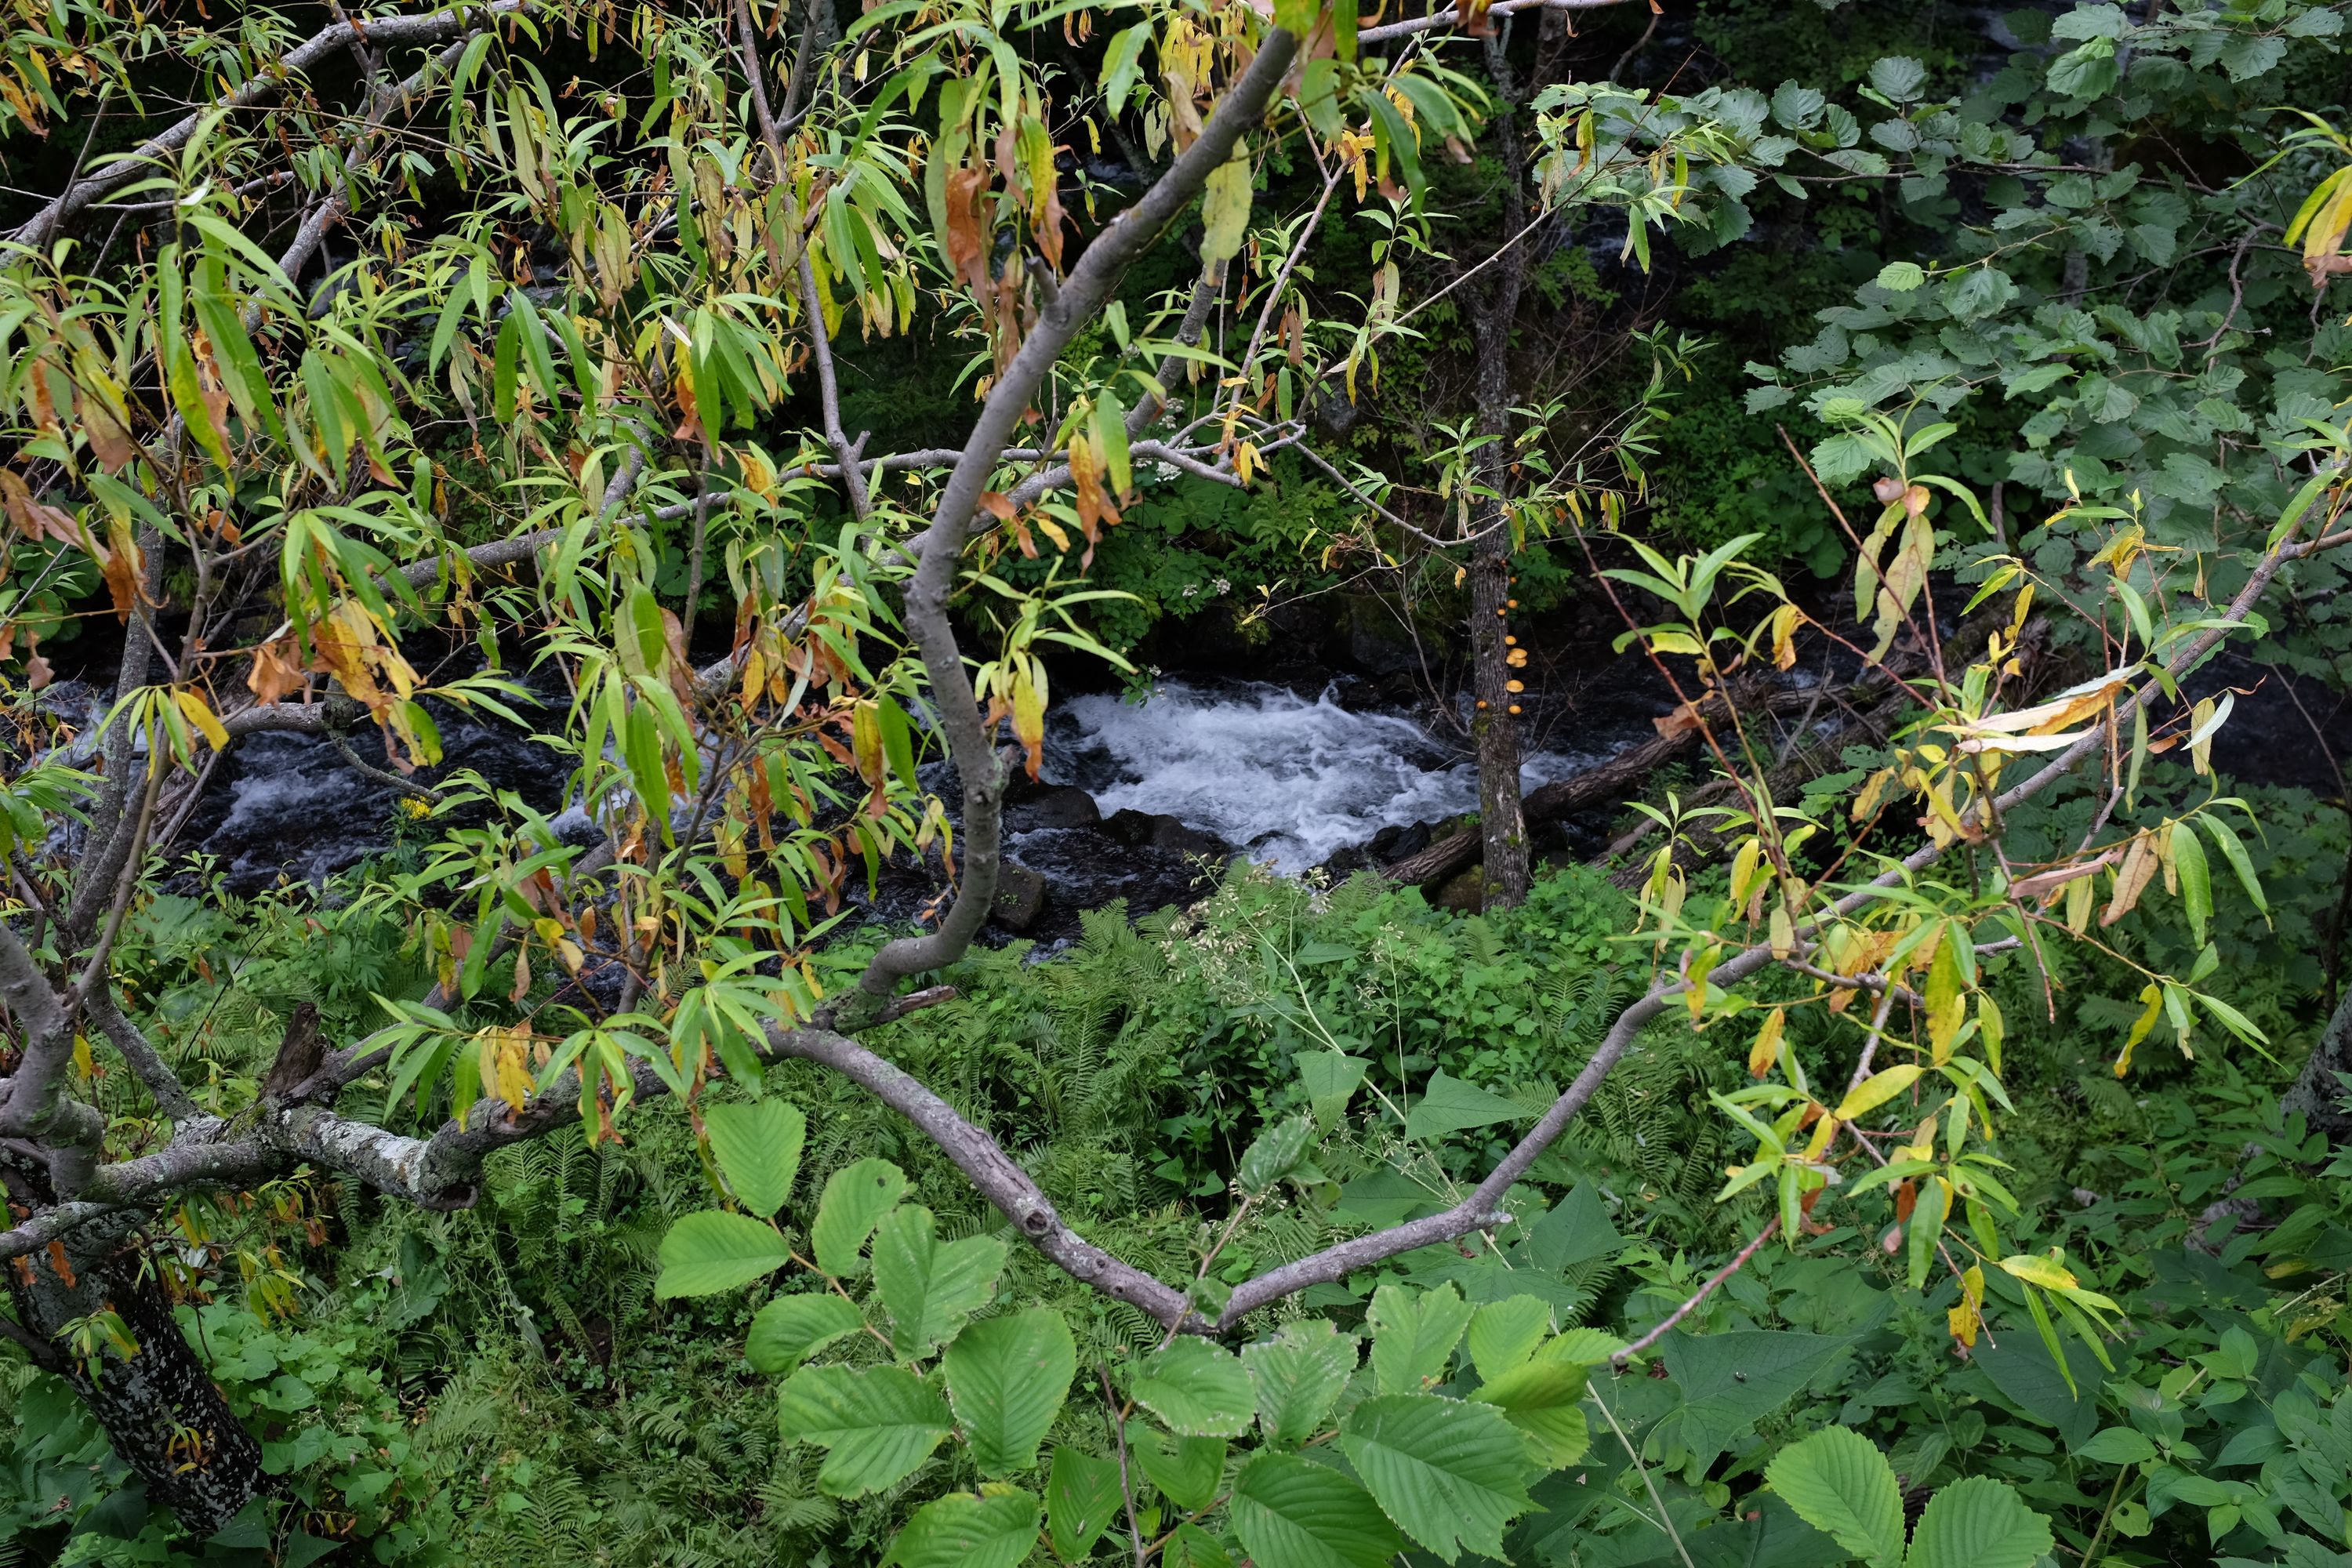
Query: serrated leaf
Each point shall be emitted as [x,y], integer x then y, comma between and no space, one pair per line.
[1185,1469]
[1298,1375]
[1900,276]
[712,1251]
[930,1288]
[1505,1333]
[1082,1497]
[855,1198]
[759,1150]
[877,1425]
[966,1530]
[1006,1380]
[1840,1483]
[1979,1522]
[1414,1336]
[1198,1389]
[1450,1473]
[1293,1513]
[788,1329]
[1545,1399]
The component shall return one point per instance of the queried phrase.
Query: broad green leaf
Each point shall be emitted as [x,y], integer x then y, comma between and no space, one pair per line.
[1007,1378]
[1198,1389]
[759,1150]
[1186,1470]
[1450,1473]
[994,1529]
[713,1251]
[855,1198]
[1191,1547]
[1545,1399]
[2116,1446]
[1294,1513]
[932,1287]
[1298,1375]
[1505,1333]
[1900,276]
[1449,1105]
[1274,1153]
[1979,1522]
[1414,1336]
[1731,1379]
[1840,1483]
[877,1425]
[1329,1078]
[1082,1497]
[791,1329]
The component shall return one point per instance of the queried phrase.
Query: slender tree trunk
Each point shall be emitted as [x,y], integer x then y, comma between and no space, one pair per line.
[2317,1093]
[1495,726]
[159,1406]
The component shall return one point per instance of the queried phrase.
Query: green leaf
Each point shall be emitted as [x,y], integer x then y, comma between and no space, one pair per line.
[1731,1379]
[1193,1547]
[1186,1470]
[1274,1153]
[1225,207]
[1007,1378]
[994,1529]
[1505,1333]
[1840,1483]
[1198,1389]
[759,1150]
[930,1288]
[710,1252]
[1449,1105]
[855,1198]
[1293,1513]
[1900,276]
[877,1425]
[1329,1078]
[897,741]
[1414,1336]
[791,1329]
[1545,1399]
[1298,1375]
[1450,1473]
[1082,1497]
[2233,850]
[2196,877]
[2116,1446]
[1978,1523]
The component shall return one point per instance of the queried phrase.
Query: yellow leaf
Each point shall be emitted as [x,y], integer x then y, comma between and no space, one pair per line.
[1765,1054]
[1880,1087]
[2036,1269]
[201,715]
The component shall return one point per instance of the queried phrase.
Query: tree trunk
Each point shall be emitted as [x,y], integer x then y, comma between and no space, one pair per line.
[2317,1093]
[1495,727]
[159,1406]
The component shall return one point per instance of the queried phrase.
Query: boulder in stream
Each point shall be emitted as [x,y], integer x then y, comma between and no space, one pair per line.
[1162,832]
[1019,896]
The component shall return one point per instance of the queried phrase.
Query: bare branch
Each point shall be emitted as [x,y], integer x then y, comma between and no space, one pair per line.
[153,154]
[1446,18]
[1715,1280]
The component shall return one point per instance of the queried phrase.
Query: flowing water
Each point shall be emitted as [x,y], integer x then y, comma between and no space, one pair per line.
[1290,779]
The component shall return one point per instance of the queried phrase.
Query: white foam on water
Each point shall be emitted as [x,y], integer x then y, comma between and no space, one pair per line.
[1291,780]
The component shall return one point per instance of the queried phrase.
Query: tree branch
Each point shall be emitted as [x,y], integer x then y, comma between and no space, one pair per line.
[43,225]
[1080,298]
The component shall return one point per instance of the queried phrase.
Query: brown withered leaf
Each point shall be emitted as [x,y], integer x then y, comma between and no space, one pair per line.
[967,231]
[277,670]
[124,566]
[107,439]
[38,673]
